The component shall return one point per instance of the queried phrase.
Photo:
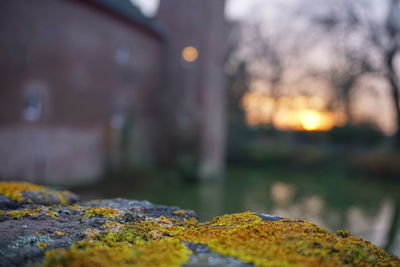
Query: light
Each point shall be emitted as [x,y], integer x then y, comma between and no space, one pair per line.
[299,113]
[190,53]
[310,120]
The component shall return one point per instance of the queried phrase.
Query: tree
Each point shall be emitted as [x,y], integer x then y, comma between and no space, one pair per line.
[237,75]
[390,48]
[347,68]
[380,36]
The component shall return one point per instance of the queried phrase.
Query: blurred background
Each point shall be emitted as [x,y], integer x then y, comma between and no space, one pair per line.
[286,107]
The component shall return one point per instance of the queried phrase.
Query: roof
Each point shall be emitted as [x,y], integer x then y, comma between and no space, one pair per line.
[129,11]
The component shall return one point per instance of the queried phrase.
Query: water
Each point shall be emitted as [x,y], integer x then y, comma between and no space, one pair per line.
[364,206]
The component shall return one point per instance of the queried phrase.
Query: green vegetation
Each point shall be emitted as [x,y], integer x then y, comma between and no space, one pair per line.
[243,235]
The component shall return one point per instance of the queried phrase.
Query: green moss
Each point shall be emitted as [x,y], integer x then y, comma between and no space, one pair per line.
[342,233]
[135,244]
[159,241]
[166,252]
[284,243]
[238,219]
[244,236]
[145,243]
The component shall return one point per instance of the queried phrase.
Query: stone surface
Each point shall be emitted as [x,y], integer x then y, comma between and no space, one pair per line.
[41,226]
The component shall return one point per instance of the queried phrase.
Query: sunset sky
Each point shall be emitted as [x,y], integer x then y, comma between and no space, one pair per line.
[365,105]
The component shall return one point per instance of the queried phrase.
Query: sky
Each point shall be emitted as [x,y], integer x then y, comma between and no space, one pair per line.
[248,9]
[235,9]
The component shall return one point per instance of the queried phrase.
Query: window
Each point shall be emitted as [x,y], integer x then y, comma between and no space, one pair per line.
[32,107]
[117,119]
[122,55]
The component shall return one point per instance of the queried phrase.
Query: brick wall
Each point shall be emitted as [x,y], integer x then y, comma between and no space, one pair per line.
[72,74]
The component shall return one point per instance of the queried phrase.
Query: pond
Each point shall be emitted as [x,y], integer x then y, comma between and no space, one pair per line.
[367,207]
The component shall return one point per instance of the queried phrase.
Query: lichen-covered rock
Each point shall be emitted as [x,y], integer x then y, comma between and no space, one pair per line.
[120,232]
[13,194]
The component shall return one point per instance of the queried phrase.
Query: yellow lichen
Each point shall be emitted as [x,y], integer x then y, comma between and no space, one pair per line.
[137,233]
[342,233]
[244,236]
[238,219]
[112,226]
[105,212]
[42,245]
[136,244]
[179,212]
[158,242]
[152,253]
[61,196]
[163,219]
[51,213]
[191,221]
[283,243]
[59,233]
[18,214]
[75,206]
[91,233]
[13,190]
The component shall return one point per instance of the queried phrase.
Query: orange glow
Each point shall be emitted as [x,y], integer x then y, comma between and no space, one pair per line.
[190,53]
[310,120]
[288,113]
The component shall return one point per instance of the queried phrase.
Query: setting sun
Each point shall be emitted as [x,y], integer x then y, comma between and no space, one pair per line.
[310,120]
[298,113]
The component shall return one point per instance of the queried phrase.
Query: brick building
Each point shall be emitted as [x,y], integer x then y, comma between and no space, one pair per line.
[91,83]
